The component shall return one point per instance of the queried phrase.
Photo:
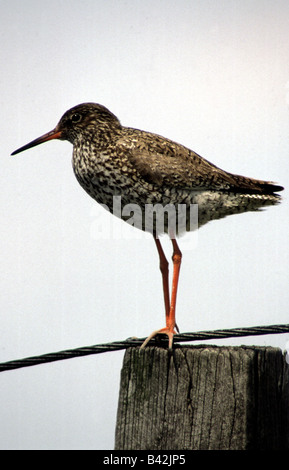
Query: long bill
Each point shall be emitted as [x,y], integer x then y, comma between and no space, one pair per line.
[54,134]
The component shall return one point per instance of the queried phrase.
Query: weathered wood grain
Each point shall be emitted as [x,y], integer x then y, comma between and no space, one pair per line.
[203,397]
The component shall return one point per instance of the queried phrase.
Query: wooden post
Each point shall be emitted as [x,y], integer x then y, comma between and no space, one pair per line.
[203,397]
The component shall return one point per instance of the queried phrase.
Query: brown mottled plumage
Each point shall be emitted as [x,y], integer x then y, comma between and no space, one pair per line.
[144,168]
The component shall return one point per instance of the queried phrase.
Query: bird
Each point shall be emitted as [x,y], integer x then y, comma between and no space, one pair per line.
[150,173]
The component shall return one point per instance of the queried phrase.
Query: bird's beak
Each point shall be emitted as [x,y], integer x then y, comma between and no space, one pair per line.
[54,134]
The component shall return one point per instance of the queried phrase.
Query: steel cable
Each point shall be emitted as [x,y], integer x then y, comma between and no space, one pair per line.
[134,342]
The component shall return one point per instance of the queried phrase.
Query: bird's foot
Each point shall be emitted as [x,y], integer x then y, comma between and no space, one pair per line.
[168,330]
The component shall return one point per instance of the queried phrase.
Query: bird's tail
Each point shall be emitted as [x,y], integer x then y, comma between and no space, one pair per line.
[250,185]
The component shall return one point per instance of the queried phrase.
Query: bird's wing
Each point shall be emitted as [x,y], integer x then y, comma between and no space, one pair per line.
[165,163]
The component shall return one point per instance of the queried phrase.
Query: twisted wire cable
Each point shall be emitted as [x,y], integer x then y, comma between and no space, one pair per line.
[134,342]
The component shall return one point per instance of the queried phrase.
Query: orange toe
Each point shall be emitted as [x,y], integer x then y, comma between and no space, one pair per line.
[169,331]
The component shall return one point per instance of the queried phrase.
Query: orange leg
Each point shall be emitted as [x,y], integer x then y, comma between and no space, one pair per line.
[171,320]
[170,307]
[164,267]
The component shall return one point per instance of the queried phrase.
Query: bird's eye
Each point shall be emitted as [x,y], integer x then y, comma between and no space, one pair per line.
[76,117]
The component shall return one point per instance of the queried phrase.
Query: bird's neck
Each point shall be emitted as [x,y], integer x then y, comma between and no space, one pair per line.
[97,140]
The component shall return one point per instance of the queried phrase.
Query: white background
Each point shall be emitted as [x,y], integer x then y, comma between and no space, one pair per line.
[213,76]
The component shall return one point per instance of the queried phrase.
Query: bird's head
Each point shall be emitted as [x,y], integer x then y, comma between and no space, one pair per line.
[79,120]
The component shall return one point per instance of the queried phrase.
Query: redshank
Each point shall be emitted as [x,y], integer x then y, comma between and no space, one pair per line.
[146,170]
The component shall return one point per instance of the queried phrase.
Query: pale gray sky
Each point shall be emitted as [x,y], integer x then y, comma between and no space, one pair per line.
[211,75]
